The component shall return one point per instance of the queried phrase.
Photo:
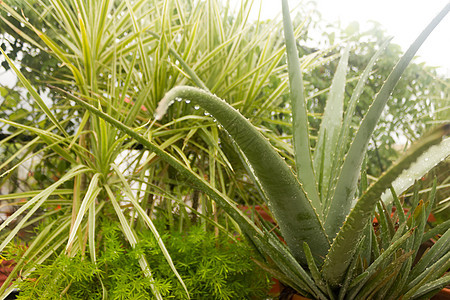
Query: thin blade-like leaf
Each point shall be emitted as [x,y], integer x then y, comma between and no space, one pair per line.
[91,194]
[34,94]
[150,225]
[131,237]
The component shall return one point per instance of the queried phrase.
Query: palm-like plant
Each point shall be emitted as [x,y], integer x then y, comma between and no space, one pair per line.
[332,250]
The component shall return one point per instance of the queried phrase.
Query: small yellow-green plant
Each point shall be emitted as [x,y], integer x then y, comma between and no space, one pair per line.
[212,268]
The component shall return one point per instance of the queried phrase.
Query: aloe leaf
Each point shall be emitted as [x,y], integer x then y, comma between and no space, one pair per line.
[426,291]
[439,229]
[348,178]
[351,270]
[312,266]
[386,227]
[399,206]
[251,173]
[284,260]
[330,128]
[344,244]
[303,159]
[441,247]
[293,282]
[288,202]
[395,290]
[350,110]
[420,215]
[429,274]
[383,259]
[424,164]
[381,279]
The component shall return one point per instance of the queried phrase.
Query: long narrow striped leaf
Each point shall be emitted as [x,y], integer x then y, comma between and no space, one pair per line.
[34,94]
[91,194]
[129,234]
[48,137]
[150,225]
[35,203]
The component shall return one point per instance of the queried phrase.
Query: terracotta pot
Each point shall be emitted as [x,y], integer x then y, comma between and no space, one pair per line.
[444,294]
[430,219]
[6,267]
[262,211]
[298,297]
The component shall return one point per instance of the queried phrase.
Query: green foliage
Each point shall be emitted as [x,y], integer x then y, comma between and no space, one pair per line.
[211,267]
[119,59]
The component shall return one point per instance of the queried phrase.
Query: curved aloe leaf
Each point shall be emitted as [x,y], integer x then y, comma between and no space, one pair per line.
[344,135]
[431,287]
[348,178]
[227,204]
[343,247]
[303,159]
[288,202]
[440,248]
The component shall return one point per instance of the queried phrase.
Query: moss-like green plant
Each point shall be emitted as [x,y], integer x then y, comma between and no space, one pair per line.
[211,267]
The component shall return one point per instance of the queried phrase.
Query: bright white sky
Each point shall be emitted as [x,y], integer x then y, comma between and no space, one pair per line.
[402,19]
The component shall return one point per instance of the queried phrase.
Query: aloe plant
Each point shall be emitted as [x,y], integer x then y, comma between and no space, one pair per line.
[331,250]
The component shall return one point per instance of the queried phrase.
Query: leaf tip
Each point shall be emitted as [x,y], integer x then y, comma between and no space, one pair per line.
[161,110]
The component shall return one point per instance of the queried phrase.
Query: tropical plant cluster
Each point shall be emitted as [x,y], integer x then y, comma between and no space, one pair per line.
[167,116]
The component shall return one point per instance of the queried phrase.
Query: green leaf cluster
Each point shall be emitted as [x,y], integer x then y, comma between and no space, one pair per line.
[212,267]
